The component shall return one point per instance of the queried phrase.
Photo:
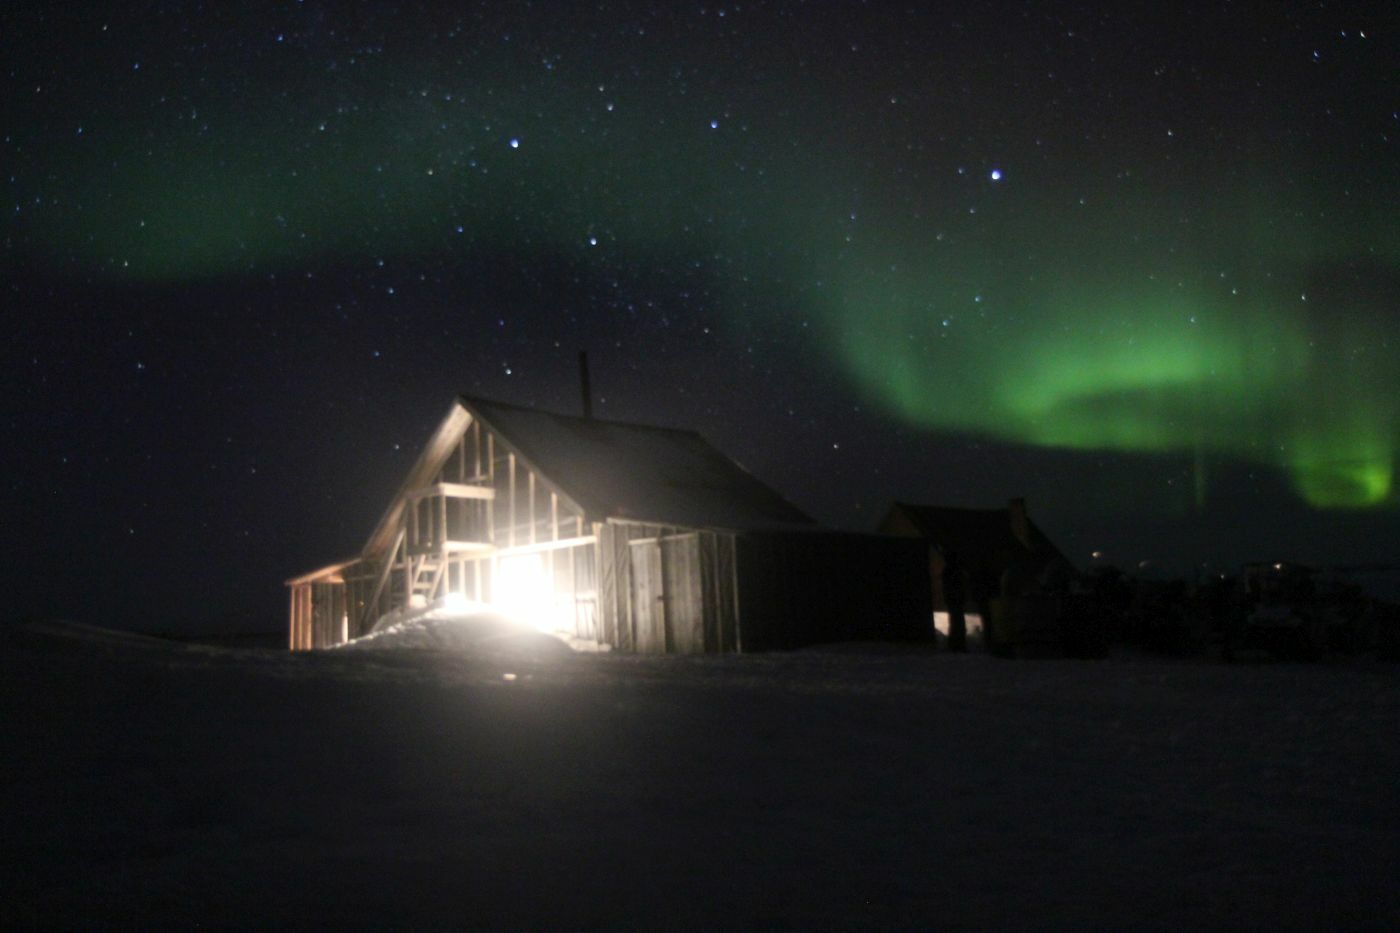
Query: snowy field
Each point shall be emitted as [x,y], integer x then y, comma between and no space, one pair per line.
[151,784]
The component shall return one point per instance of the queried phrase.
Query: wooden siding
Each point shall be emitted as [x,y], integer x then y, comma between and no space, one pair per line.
[667,590]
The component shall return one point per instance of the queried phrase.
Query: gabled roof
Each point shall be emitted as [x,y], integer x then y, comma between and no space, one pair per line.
[976,534]
[610,470]
[638,472]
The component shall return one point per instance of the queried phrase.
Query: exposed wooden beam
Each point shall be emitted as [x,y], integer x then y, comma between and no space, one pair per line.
[510,521]
[469,547]
[442,523]
[453,491]
[531,475]
[328,574]
[491,478]
[389,559]
[476,448]
[543,546]
[425,468]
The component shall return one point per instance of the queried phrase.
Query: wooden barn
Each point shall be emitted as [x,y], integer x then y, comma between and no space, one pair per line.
[628,537]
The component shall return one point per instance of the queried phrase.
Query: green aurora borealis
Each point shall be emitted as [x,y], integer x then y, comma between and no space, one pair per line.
[1226,297]
[1290,368]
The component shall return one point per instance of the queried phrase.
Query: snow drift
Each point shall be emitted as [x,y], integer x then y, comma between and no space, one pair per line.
[469,631]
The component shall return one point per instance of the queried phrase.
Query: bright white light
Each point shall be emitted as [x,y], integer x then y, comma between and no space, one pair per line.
[458,602]
[523,591]
[996,174]
[514,143]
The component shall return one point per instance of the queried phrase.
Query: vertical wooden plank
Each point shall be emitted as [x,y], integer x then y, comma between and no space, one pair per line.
[342,616]
[550,566]
[531,475]
[678,566]
[510,519]
[307,637]
[442,526]
[407,578]
[490,504]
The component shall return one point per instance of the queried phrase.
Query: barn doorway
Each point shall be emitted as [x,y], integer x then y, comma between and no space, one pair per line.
[667,597]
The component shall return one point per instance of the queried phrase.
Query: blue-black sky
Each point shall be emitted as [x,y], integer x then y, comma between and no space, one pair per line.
[1141,265]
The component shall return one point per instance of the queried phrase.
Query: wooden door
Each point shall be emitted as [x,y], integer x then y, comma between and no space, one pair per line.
[684,600]
[648,597]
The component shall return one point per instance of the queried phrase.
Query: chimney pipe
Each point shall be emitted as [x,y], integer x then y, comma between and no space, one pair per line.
[584,385]
[1020,524]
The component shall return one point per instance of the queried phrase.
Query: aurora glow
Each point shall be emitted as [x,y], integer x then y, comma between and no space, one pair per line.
[1076,336]
[1305,385]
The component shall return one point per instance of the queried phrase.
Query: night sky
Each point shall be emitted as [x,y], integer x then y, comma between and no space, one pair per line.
[1142,267]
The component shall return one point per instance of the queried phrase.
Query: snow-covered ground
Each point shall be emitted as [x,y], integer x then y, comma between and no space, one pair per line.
[149,784]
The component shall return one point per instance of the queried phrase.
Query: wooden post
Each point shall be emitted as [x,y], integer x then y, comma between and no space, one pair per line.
[490,506]
[442,525]
[308,633]
[554,536]
[510,520]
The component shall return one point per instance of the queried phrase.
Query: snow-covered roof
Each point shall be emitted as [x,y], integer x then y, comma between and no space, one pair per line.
[639,472]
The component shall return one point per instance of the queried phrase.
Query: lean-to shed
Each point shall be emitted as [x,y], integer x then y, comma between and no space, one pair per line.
[638,538]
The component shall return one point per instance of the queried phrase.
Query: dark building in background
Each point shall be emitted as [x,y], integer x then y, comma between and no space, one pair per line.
[1001,552]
